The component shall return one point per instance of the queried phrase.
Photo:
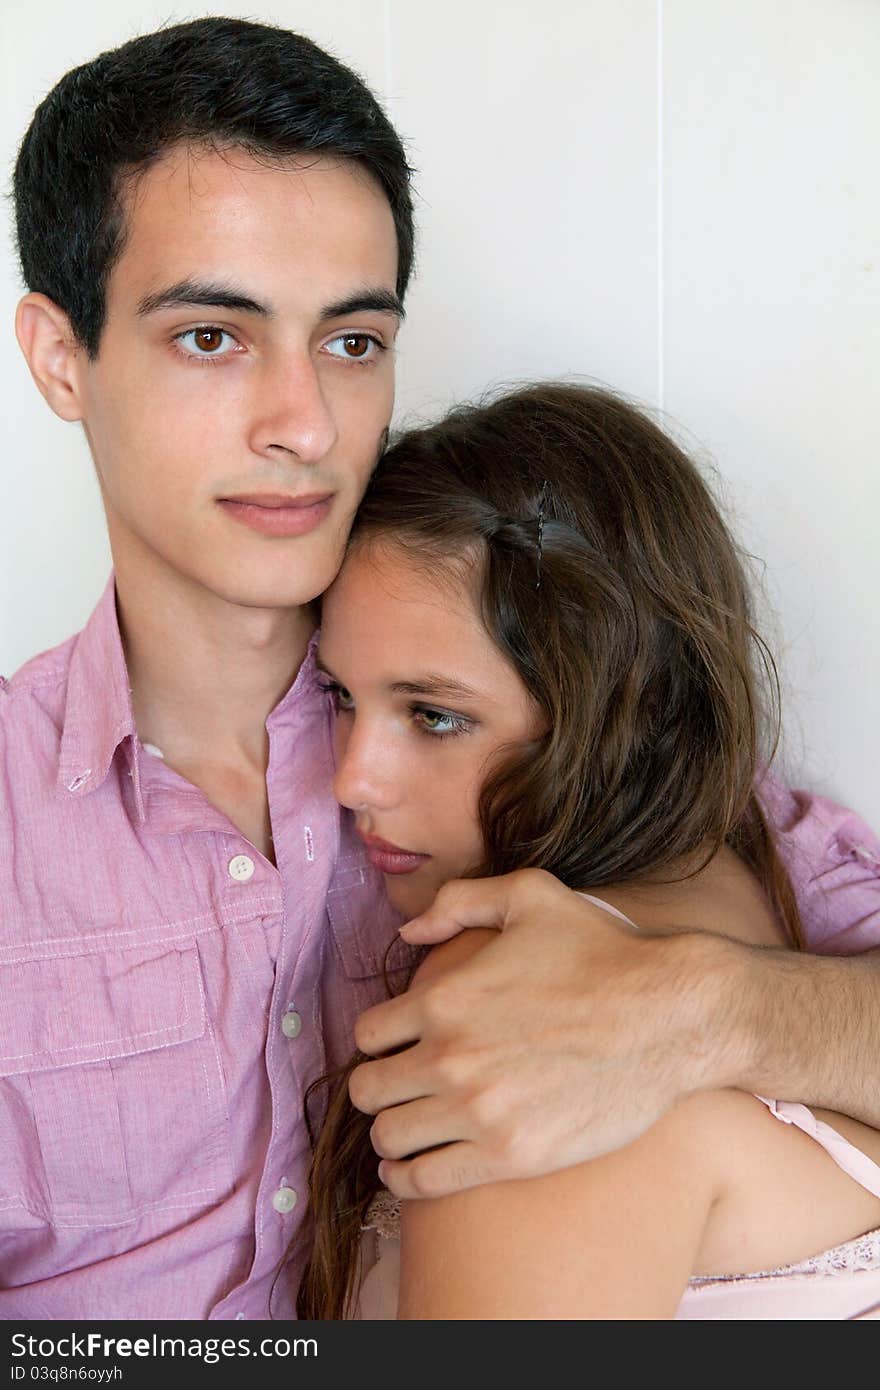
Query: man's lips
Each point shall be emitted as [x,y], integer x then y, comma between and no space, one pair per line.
[391,859]
[278,513]
[278,499]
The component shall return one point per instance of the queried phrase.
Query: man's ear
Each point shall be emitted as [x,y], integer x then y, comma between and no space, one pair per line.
[52,353]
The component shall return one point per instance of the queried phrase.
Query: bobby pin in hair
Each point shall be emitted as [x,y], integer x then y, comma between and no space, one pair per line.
[542,502]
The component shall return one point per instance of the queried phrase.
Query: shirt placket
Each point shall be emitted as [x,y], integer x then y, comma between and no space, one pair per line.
[304,834]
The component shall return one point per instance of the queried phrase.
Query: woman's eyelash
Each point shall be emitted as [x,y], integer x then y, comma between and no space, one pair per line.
[457,723]
[330,687]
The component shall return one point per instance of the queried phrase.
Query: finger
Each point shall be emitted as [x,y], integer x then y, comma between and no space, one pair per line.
[438,1173]
[393,1023]
[374,1086]
[477,902]
[403,1130]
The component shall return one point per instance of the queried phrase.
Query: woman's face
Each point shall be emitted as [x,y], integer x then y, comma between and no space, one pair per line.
[425,702]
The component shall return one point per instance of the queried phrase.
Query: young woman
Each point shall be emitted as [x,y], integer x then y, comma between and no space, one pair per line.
[540,653]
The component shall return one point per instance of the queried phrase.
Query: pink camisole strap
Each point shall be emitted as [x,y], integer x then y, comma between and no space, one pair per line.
[854,1163]
[606,907]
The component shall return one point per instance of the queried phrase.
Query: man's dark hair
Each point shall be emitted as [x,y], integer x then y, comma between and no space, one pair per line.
[222,82]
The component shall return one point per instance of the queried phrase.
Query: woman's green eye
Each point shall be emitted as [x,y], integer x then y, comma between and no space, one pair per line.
[440,723]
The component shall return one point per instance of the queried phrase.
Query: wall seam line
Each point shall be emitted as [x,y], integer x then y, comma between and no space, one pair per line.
[661,267]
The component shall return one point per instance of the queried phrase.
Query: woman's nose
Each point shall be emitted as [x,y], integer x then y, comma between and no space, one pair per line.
[365,766]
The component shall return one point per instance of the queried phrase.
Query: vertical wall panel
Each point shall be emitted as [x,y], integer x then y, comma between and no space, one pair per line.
[533,127]
[772,332]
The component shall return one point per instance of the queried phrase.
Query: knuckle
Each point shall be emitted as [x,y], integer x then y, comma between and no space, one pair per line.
[426,1179]
[359,1090]
[534,881]
[524,1152]
[440,1004]
[513,1149]
[395,1177]
[450,1068]
[487,1109]
[363,1033]
[510,1144]
[380,1137]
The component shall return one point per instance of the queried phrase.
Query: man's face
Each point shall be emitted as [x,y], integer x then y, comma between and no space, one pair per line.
[245,374]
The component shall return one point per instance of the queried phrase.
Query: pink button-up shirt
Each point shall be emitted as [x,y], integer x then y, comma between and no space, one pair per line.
[167,994]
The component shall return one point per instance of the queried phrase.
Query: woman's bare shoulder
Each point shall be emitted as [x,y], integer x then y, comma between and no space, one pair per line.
[724,897]
[616,1237]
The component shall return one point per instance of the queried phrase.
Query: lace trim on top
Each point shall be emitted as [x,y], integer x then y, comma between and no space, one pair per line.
[862,1253]
[853,1257]
[383,1215]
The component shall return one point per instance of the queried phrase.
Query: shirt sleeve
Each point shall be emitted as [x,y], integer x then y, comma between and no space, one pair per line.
[833,859]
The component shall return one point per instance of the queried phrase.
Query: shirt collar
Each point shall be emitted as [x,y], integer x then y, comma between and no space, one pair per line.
[97,713]
[304,695]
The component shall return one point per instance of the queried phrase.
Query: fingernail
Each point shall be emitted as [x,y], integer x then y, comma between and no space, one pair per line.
[382,1172]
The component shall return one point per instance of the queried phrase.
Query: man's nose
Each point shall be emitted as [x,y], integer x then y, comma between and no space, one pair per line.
[292,416]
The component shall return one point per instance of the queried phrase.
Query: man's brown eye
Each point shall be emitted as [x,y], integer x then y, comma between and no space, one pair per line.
[356,344]
[209,339]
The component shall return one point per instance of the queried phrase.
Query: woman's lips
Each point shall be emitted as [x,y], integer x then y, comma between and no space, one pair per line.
[391,859]
[279,515]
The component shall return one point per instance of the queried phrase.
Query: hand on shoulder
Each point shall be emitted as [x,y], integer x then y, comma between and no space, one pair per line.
[562,1037]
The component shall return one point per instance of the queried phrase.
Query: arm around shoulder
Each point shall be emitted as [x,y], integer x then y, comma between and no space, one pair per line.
[806,1028]
[778,1022]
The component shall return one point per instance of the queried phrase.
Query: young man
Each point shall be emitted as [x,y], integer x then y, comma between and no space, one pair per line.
[215,229]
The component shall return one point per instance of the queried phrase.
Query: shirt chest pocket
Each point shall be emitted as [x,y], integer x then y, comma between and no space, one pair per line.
[371,955]
[112,1102]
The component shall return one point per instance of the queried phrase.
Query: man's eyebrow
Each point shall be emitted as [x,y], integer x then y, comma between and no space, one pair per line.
[203,292]
[379,300]
[208,294]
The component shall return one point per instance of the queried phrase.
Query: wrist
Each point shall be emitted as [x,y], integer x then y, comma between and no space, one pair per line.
[719,982]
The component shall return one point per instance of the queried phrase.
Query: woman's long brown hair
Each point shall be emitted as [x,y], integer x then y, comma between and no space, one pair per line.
[609,580]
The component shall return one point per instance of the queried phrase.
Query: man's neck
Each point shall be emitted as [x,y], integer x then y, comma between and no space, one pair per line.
[205,673]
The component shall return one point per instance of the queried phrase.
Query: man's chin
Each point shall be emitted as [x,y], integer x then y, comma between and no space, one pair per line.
[280,588]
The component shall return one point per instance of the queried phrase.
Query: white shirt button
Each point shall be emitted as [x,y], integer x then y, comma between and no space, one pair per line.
[241,868]
[291,1024]
[284,1200]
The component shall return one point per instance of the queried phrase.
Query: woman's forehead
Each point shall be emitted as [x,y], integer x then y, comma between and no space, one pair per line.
[391,608]
[381,567]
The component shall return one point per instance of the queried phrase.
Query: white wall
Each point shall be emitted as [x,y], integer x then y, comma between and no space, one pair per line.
[677,197]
